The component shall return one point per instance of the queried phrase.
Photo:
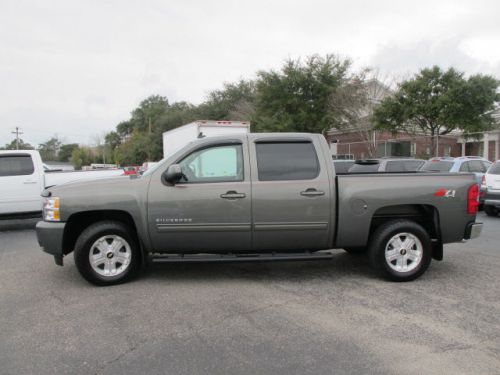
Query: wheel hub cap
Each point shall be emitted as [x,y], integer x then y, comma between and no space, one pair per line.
[403,252]
[110,256]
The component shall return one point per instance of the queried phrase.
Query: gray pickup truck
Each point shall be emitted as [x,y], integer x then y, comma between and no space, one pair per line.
[256,197]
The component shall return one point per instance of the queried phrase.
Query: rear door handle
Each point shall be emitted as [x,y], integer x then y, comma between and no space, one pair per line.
[311,192]
[29,182]
[231,194]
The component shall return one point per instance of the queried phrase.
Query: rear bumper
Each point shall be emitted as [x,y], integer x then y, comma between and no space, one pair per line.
[492,198]
[50,238]
[492,202]
[473,230]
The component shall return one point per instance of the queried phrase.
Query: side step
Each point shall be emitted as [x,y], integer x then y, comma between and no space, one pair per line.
[263,257]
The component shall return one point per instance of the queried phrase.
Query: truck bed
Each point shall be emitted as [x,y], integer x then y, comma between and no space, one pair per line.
[362,196]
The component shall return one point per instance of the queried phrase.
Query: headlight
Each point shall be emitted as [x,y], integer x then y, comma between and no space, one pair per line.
[51,209]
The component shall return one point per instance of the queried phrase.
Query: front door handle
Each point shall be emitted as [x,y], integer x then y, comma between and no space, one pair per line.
[311,192]
[231,194]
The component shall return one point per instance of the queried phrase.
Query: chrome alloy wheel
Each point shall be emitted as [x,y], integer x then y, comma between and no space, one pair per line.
[110,255]
[403,252]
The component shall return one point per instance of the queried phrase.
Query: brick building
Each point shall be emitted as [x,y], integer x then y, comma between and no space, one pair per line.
[362,141]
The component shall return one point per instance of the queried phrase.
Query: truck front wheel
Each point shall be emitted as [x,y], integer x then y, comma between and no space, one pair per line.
[106,253]
[400,250]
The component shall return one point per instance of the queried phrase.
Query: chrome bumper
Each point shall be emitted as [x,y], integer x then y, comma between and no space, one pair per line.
[492,202]
[473,230]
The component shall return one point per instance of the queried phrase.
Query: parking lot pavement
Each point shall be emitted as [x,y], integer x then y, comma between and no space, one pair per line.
[280,318]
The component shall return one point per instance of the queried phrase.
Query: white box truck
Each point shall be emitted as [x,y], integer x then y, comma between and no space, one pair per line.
[175,139]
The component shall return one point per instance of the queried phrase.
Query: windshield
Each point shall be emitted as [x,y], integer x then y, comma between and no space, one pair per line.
[437,166]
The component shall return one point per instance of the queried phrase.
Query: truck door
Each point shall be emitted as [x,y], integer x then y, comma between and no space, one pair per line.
[20,184]
[209,210]
[291,195]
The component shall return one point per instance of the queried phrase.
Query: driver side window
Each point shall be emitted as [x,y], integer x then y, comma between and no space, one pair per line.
[214,164]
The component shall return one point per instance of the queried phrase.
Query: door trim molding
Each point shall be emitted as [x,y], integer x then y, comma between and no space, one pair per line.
[290,226]
[212,227]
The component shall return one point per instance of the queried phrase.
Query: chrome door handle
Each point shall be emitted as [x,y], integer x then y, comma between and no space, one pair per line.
[233,195]
[29,182]
[311,193]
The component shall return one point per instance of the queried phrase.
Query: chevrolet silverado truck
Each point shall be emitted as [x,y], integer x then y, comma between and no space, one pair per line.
[256,197]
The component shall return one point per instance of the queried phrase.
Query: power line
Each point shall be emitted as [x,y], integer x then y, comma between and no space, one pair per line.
[17,133]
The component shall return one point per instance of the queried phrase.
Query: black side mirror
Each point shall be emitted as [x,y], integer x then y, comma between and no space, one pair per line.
[173,174]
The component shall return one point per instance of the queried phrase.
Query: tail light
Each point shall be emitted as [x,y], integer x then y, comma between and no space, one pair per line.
[473,199]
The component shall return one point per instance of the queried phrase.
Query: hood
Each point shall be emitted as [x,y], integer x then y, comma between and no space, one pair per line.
[106,184]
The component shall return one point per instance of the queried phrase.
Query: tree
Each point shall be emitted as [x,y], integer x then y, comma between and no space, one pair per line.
[297,98]
[13,146]
[436,102]
[50,149]
[66,150]
[235,101]
[81,156]
[354,104]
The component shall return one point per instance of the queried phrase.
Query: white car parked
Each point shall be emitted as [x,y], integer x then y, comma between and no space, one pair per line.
[23,177]
[492,186]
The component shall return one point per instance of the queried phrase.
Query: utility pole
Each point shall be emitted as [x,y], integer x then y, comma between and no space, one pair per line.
[17,133]
[149,140]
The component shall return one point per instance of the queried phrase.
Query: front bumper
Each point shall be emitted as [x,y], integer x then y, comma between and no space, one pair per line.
[473,230]
[50,238]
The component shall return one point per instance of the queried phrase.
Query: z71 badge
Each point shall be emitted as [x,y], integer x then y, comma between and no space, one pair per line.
[445,193]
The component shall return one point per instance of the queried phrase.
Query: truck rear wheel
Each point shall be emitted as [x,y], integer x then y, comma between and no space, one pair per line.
[400,250]
[106,253]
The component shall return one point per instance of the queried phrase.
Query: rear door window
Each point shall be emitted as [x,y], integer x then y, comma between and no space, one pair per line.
[476,166]
[364,168]
[16,165]
[395,166]
[437,166]
[464,167]
[277,161]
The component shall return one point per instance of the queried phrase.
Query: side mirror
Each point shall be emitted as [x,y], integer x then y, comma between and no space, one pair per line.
[173,174]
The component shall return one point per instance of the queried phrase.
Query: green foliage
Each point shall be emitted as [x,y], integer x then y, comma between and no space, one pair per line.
[234,102]
[66,150]
[437,102]
[13,146]
[81,156]
[297,98]
[50,149]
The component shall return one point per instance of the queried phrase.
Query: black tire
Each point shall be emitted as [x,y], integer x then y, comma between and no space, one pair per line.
[380,239]
[88,238]
[356,250]
[490,211]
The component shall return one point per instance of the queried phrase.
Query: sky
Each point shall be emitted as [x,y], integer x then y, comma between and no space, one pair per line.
[75,68]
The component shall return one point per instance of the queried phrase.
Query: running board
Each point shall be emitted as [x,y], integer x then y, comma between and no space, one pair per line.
[264,257]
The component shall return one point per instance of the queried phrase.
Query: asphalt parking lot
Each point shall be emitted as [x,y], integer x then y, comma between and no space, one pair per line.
[274,318]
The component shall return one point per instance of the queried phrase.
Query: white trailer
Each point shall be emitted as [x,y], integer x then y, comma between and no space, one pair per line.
[175,139]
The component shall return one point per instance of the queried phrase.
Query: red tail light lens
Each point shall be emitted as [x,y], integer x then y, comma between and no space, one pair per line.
[473,199]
